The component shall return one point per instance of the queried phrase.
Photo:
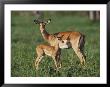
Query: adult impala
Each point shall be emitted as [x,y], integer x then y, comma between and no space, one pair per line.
[75,40]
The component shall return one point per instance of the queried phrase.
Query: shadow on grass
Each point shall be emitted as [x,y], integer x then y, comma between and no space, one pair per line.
[54,72]
[49,72]
[74,71]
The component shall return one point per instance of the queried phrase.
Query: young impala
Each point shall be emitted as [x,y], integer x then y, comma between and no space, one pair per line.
[75,40]
[53,51]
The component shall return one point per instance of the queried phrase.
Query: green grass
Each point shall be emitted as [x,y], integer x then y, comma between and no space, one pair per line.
[26,36]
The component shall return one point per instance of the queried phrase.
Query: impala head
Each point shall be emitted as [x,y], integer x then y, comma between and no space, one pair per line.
[42,23]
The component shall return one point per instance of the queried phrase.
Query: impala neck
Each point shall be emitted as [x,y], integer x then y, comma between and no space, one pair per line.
[44,33]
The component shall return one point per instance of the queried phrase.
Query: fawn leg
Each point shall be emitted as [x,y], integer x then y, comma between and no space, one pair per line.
[38,61]
[55,62]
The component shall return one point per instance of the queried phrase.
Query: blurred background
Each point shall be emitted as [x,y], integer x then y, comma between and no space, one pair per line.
[25,36]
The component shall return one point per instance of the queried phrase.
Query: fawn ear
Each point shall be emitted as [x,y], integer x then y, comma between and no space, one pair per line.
[61,36]
[60,39]
[48,21]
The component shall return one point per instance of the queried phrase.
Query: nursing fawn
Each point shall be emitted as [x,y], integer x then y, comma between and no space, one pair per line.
[52,51]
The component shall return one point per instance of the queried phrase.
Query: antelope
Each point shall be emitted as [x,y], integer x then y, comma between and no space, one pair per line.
[52,51]
[74,40]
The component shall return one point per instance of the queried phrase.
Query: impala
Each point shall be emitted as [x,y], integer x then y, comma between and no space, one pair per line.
[53,51]
[75,40]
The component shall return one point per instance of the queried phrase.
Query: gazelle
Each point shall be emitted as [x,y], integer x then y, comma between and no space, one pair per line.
[75,40]
[53,51]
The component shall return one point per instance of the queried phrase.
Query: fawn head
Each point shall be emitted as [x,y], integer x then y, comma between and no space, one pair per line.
[59,39]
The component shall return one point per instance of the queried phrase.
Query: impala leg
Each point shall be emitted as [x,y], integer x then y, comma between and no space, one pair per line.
[83,55]
[59,61]
[55,62]
[39,52]
[60,65]
[38,60]
[80,55]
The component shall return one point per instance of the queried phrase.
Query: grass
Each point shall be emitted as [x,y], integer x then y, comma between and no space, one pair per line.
[25,36]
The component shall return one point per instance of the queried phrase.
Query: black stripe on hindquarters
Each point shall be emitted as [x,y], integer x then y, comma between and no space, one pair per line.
[81,42]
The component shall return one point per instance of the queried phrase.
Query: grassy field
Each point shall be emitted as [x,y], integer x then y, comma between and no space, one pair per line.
[25,36]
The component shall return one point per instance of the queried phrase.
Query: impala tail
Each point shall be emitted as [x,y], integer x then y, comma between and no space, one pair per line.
[81,46]
[81,42]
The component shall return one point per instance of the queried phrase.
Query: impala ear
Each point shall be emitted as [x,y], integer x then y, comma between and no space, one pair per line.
[48,21]
[36,21]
